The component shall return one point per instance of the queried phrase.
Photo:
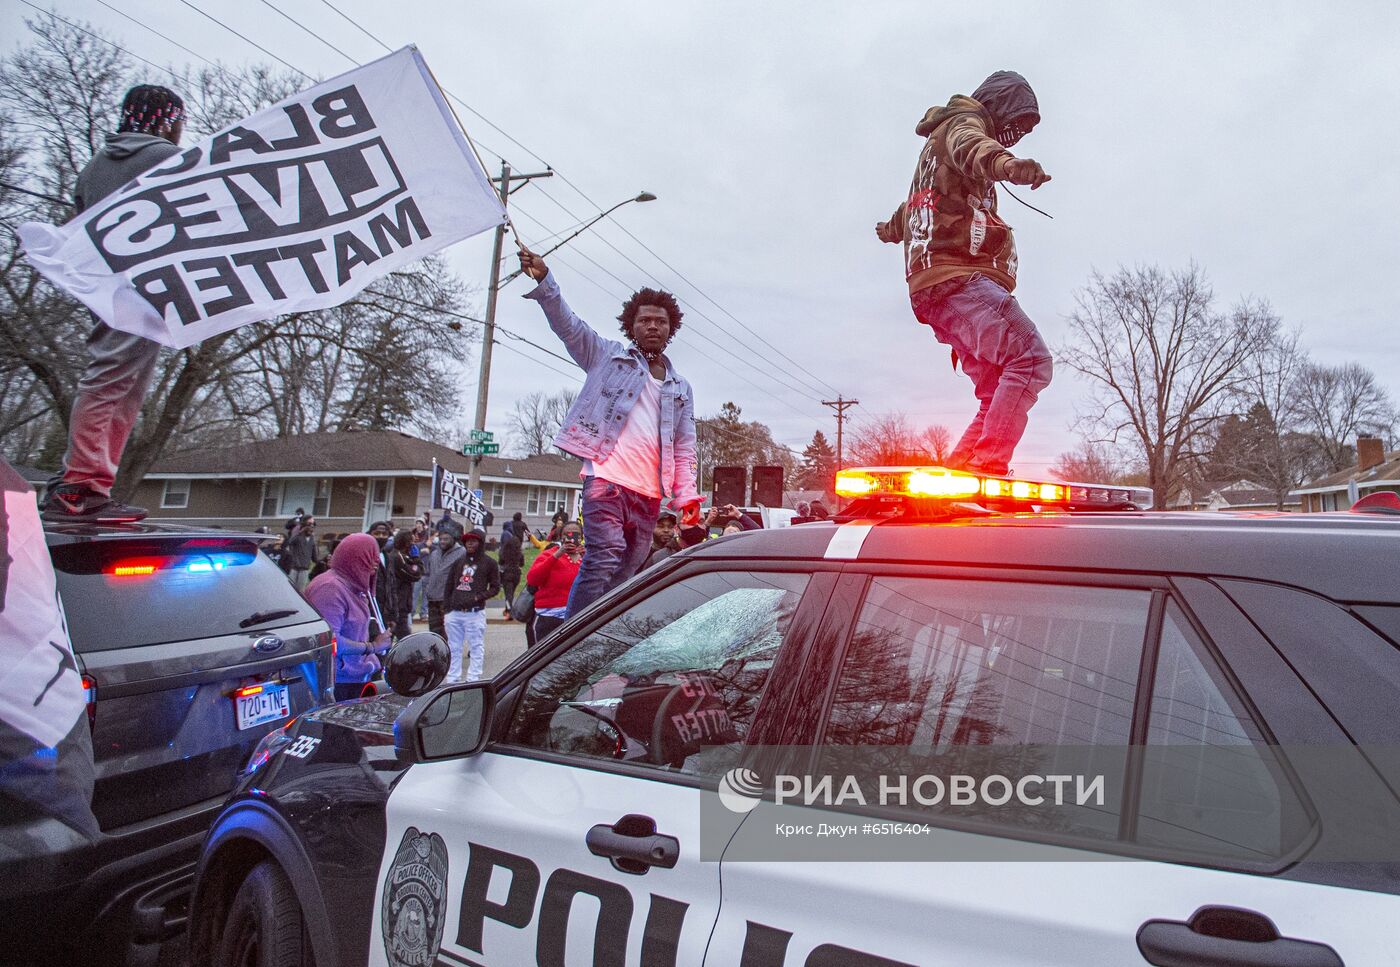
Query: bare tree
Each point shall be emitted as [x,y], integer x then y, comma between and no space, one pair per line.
[726,439]
[938,440]
[1163,363]
[536,420]
[1334,405]
[1089,462]
[890,439]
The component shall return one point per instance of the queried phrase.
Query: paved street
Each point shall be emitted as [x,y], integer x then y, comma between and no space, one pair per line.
[504,640]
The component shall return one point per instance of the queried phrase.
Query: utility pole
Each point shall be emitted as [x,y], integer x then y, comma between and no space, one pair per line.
[483,382]
[840,405]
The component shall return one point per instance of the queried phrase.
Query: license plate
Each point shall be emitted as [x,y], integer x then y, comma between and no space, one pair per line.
[272,703]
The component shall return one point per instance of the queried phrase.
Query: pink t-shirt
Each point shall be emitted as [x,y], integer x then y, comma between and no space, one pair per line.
[635,462]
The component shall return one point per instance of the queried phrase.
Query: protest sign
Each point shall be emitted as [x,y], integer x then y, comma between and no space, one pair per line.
[450,492]
[298,207]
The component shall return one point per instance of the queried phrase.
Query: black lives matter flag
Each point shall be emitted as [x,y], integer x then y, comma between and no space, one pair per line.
[450,492]
[298,207]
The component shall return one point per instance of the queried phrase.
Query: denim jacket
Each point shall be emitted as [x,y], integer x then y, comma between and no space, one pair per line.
[616,375]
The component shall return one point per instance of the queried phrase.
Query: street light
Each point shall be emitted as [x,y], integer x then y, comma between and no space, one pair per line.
[644,196]
[497,283]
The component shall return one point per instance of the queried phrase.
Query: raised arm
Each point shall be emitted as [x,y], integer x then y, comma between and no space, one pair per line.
[583,344]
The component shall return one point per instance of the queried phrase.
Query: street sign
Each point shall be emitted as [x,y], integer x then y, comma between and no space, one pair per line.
[480,449]
[481,436]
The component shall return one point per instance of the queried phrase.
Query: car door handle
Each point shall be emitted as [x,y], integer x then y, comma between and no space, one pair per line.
[633,844]
[1218,936]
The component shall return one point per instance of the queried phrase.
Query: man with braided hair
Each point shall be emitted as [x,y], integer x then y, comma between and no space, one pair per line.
[119,370]
[632,425]
[960,259]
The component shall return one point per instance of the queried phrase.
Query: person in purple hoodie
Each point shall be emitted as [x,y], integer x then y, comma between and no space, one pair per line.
[341,595]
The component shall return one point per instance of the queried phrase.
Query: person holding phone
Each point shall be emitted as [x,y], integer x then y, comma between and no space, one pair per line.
[632,425]
[553,575]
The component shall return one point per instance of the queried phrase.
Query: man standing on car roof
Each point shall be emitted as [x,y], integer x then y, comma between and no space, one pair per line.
[632,425]
[960,259]
[113,386]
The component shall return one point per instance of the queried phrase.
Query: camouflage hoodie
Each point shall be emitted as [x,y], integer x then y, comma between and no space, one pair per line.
[949,225]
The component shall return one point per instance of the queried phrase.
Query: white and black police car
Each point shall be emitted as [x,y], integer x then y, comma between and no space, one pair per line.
[1238,672]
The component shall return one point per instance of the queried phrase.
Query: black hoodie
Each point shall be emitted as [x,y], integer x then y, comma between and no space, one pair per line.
[472,580]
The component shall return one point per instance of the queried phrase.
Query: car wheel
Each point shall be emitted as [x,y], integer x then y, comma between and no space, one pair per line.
[265,926]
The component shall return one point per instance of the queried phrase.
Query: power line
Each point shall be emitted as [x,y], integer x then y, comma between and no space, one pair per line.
[162,36]
[305,29]
[259,46]
[680,339]
[700,312]
[820,382]
[50,13]
[516,336]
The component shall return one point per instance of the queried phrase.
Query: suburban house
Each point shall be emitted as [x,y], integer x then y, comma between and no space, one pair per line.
[347,480]
[1375,471]
[1231,495]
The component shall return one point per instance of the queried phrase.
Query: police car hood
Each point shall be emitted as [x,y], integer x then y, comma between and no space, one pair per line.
[370,720]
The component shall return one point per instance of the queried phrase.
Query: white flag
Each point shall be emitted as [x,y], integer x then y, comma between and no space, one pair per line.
[298,207]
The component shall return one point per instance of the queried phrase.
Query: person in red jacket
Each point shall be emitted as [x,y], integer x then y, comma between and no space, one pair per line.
[552,575]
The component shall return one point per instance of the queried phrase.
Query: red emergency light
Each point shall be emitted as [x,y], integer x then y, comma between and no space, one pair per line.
[946,484]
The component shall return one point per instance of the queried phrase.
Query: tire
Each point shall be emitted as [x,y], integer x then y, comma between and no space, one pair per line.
[265,927]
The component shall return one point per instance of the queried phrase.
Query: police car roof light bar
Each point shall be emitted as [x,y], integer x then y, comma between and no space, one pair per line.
[947,484]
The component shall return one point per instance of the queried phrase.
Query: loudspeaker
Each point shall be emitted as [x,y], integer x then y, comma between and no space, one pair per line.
[730,484]
[767,486]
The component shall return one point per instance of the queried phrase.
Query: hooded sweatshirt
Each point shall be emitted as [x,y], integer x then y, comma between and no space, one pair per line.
[123,157]
[949,225]
[472,580]
[341,597]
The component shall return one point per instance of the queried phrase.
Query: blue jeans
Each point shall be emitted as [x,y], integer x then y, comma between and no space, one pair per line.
[617,527]
[1001,352]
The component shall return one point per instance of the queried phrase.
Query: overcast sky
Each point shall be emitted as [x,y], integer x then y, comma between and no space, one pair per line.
[1258,139]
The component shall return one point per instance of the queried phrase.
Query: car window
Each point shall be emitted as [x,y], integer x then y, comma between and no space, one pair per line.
[1211,782]
[944,669]
[121,594]
[935,663]
[673,682]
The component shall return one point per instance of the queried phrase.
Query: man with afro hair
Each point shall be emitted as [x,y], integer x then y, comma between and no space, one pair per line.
[632,425]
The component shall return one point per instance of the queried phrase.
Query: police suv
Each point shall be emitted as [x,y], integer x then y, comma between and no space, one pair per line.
[1206,704]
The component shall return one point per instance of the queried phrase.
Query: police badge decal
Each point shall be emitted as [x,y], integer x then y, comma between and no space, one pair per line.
[415,900]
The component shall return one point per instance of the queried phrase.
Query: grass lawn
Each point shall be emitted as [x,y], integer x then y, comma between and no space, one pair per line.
[531,552]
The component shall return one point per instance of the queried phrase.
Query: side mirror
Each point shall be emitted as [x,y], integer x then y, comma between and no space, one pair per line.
[447,724]
[417,664]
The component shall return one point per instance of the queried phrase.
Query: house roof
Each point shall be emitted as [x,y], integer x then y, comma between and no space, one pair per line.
[356,453]
[1383,474]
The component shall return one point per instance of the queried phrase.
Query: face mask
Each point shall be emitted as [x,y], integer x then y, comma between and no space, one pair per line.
[1013,132]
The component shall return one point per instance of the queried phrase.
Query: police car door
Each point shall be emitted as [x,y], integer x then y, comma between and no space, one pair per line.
[957,672]
[575,838]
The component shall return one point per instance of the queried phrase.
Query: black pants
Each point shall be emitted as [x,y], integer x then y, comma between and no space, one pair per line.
[344,691]
[544,625]
[435,624]
[509,583]
[402,598]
